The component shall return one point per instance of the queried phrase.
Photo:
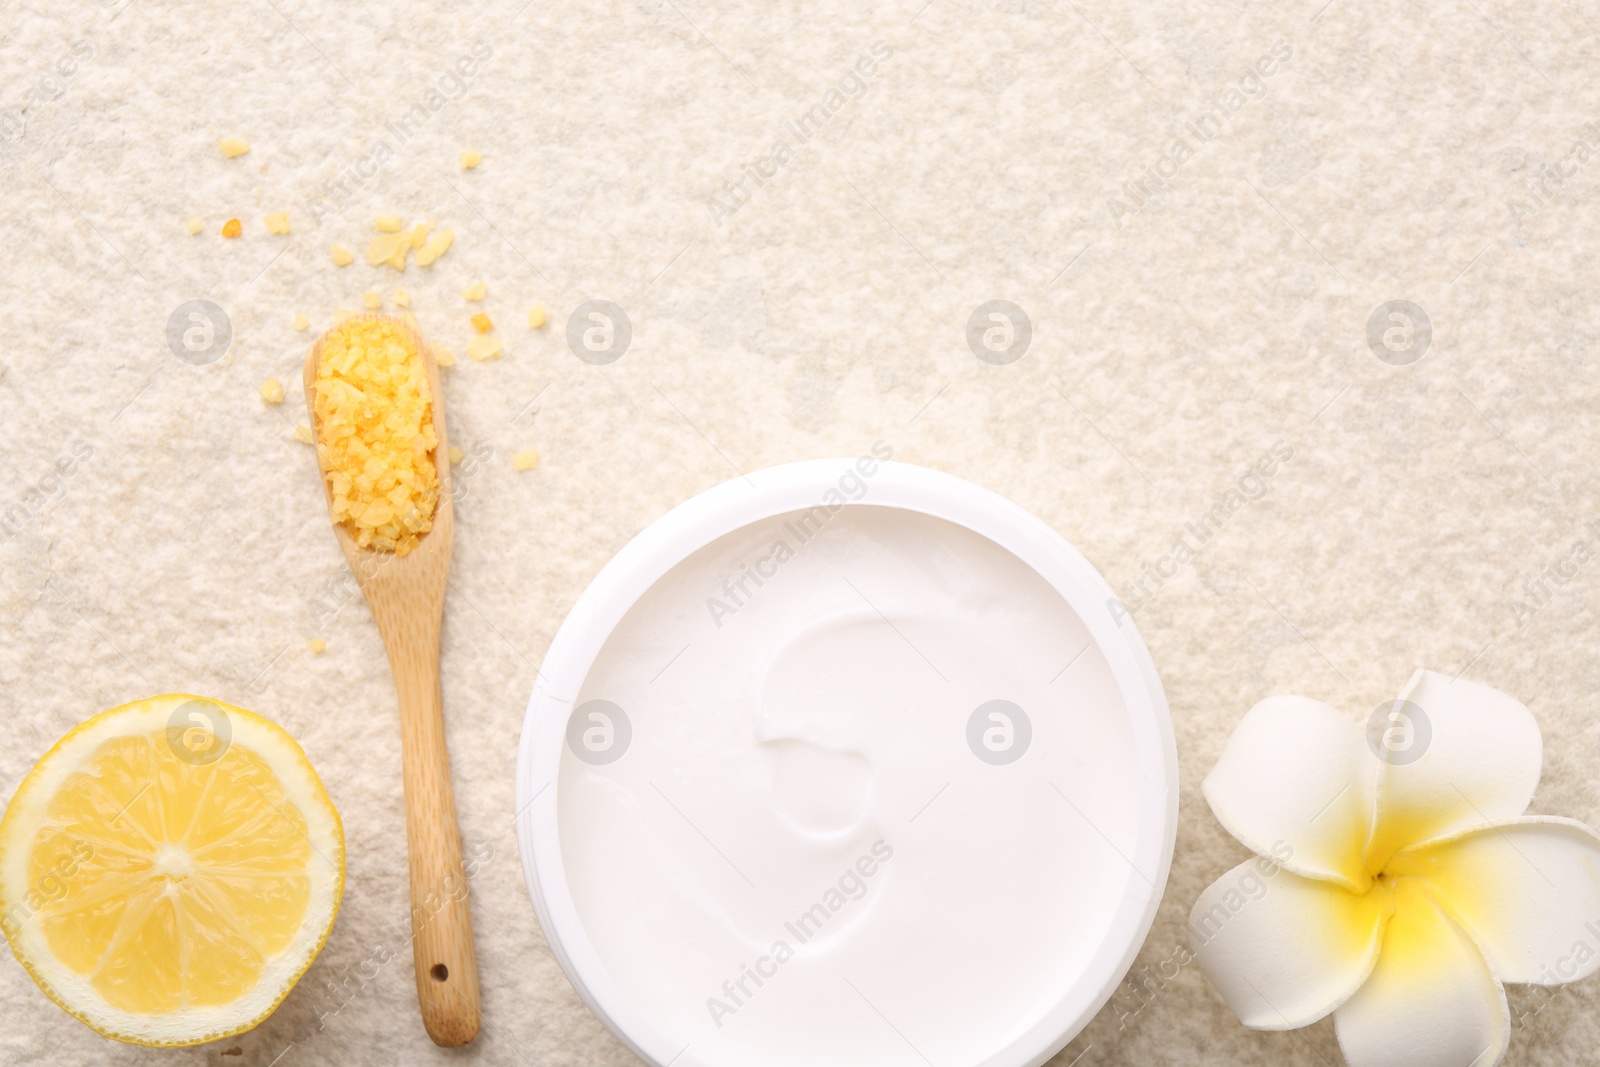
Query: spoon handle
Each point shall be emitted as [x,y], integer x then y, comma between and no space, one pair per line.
[441,919]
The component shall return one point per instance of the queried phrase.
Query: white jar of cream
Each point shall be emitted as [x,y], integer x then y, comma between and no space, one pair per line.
[847,762]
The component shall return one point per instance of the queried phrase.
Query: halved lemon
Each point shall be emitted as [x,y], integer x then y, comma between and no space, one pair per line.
[170,869]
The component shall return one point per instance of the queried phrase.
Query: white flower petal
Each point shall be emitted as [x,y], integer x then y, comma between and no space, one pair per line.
[1296,783]
[1431,1001]
[1528,892]
[1283,950]
[1481,754]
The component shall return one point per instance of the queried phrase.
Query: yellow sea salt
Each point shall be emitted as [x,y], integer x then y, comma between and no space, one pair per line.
[484,348]
[482,323]
[342,256]
[232,228]
[443,356]
[390,248]
[372,299]
[302,433]
[475,291]
[525,461]
[300,321]
[271,391]
[470,160]
[316,645]
[376,439]
[277,222]
[194,226]
[401,298]
[434,247]
[455,454]
[233,146]
[536,317]
[387,223]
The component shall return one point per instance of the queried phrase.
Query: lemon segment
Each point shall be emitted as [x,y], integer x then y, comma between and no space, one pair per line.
[170,869]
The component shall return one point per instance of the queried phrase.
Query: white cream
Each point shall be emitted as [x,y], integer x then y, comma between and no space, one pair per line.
[798,858]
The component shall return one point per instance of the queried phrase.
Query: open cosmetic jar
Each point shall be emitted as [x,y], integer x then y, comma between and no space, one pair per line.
[849,762]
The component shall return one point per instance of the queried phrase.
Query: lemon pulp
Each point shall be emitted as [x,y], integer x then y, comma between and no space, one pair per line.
[191,878]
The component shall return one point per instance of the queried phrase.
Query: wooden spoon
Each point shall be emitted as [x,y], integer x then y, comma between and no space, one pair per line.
[406,595]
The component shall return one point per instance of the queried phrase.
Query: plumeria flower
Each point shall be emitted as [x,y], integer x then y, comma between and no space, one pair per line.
[1399,882]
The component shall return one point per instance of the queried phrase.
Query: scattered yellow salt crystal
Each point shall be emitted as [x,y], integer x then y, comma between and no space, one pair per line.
[470,160]
[316,645]
[302,433]
[375,422]
[300,321]
[482,348]
[525,461]
[233,146]
[341,256]
[277,222]
[409,319]
[443,356]
[372,299]
[435,247]
[387,223]
[232,228]
[475,291]
[455,454]
[401,298]
[482,322]
[536,317]
[384,246]
[194,226]
[271,391]
[420,234]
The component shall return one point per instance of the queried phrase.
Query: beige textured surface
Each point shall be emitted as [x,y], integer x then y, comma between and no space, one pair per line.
[188,548]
